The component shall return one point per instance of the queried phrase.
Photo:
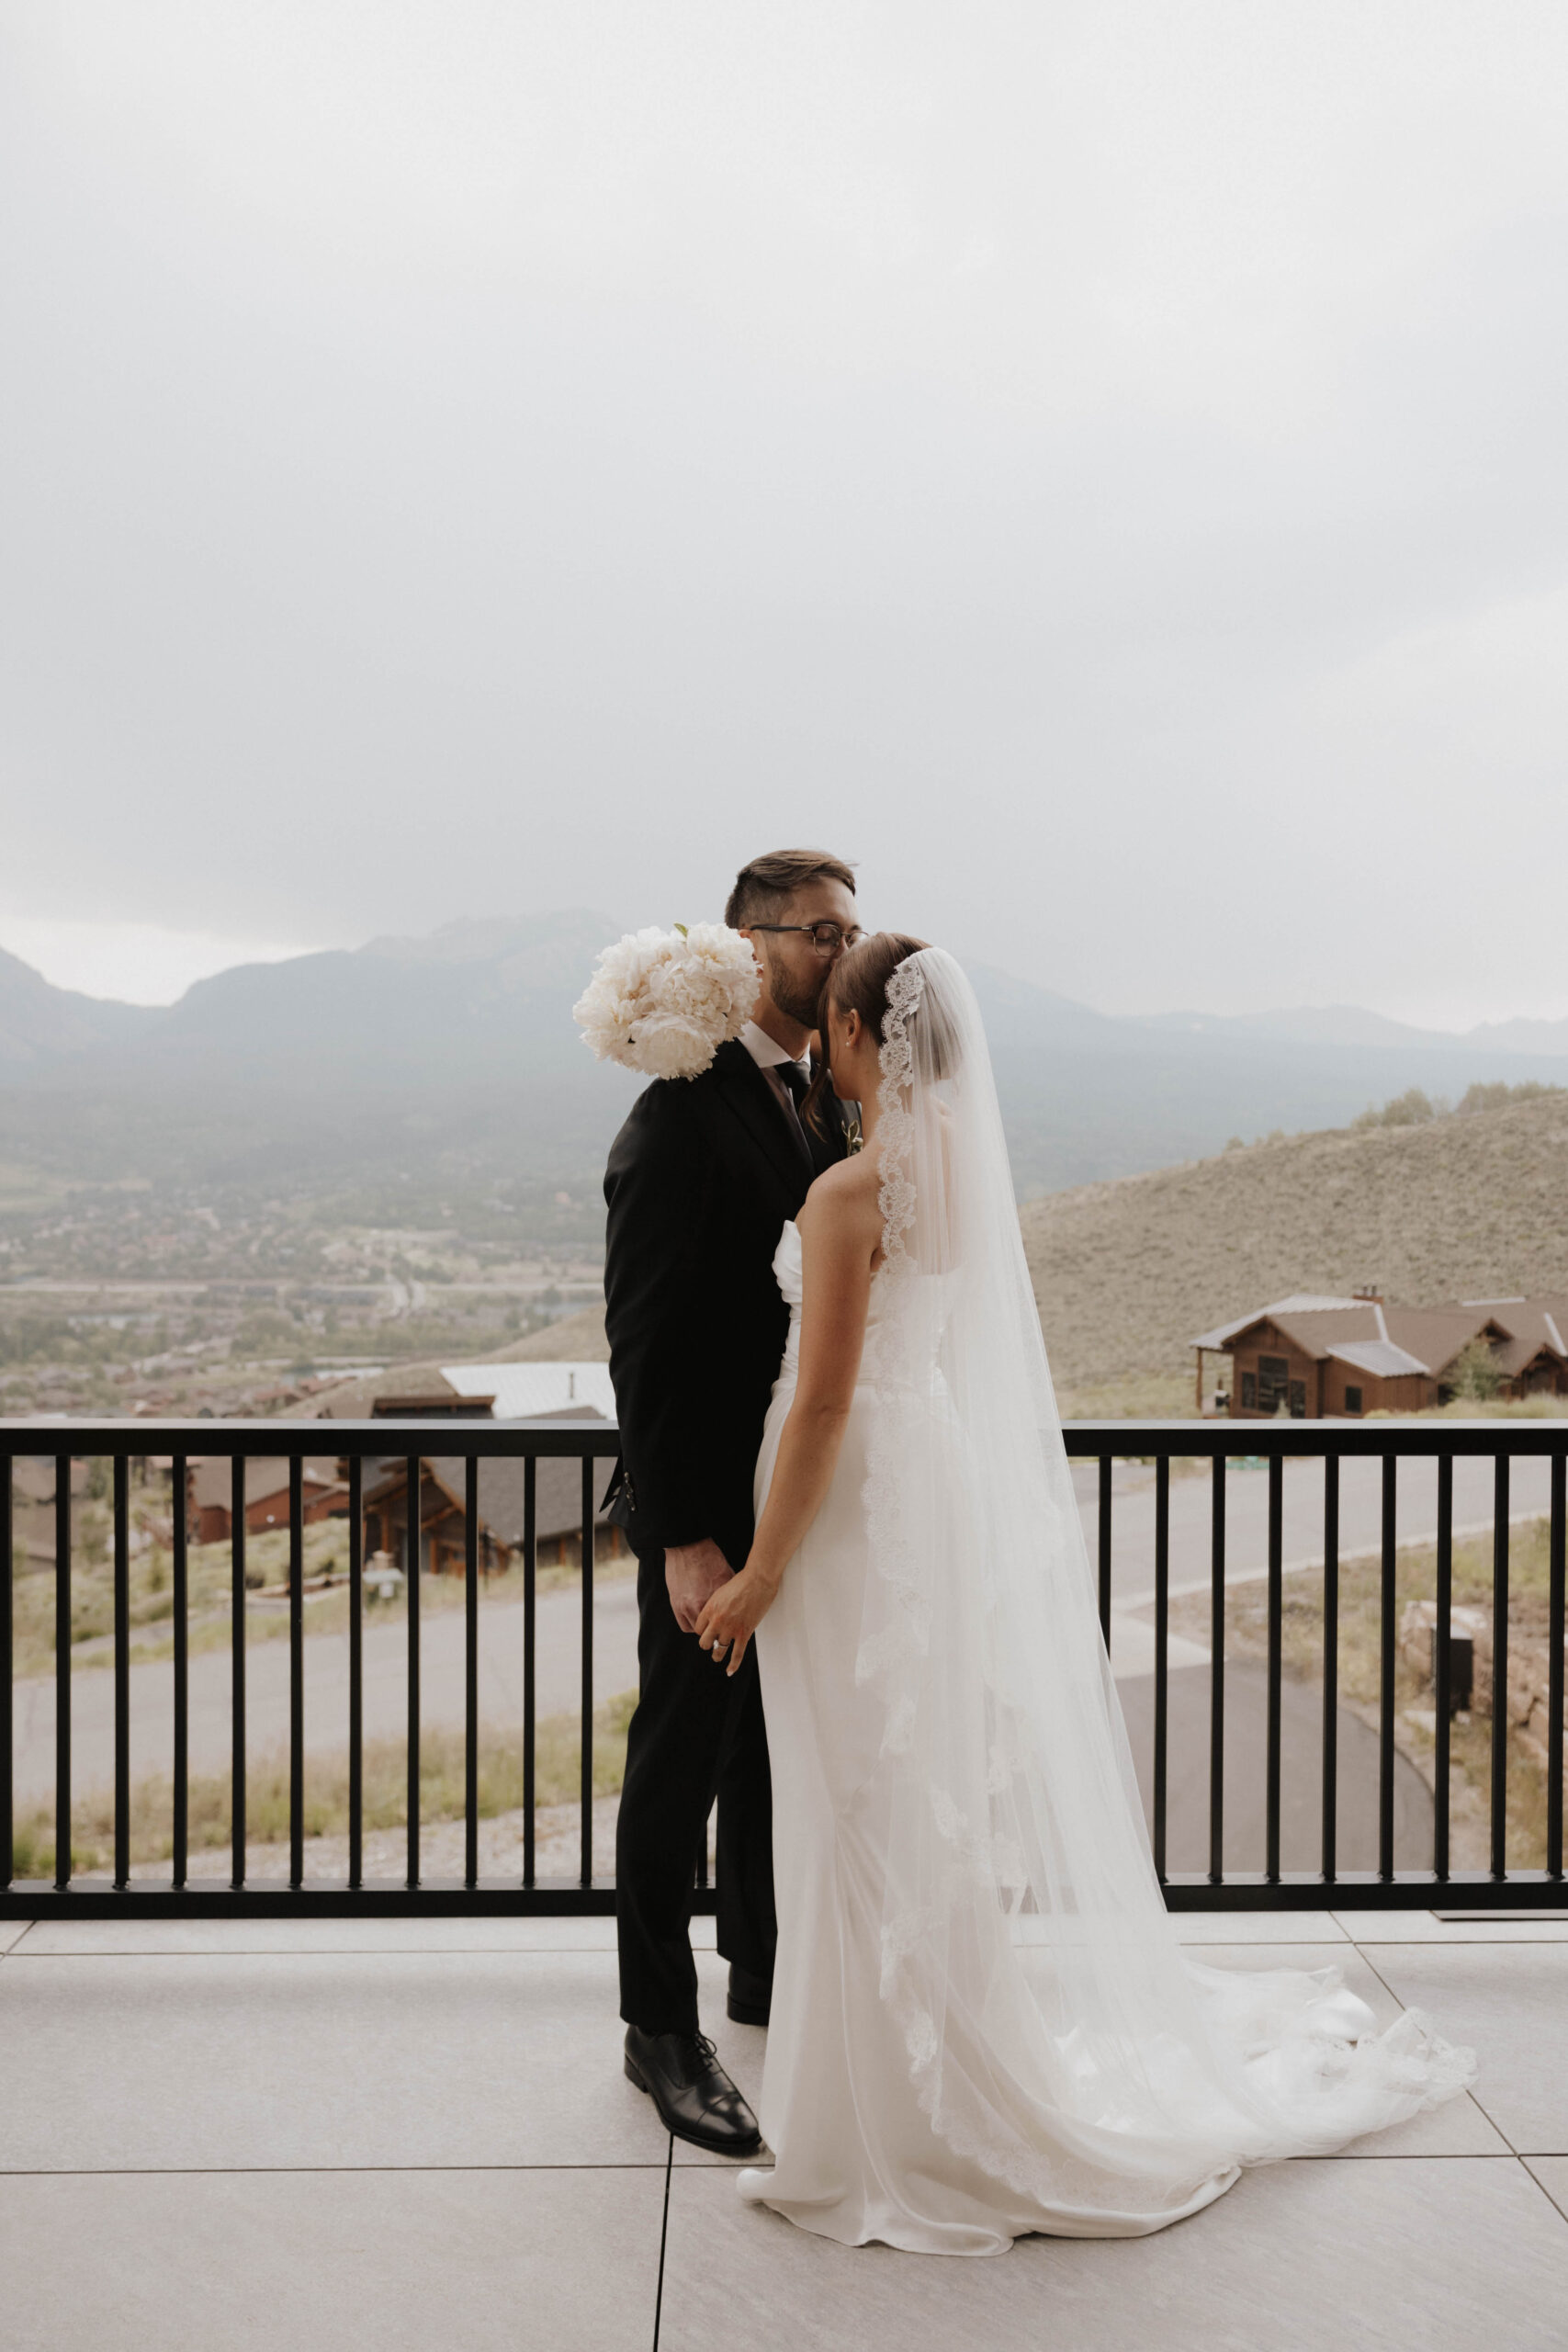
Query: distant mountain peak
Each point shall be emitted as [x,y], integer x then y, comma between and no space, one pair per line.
[41,1024]
[1353,1024]
[485,938]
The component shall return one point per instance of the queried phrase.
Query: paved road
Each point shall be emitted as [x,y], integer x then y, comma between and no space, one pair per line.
[559,1667]
[558,1674]
[1301,1807]
[1247,1515]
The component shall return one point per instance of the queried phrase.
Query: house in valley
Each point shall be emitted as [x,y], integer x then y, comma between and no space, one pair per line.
[502,1508]
[1528,1340]
[210,1494]
[519,1393]
[1317,1357]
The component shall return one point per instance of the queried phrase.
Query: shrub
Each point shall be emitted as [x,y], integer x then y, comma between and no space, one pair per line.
[1473,1375]
[1411,1109]
[1498,1094]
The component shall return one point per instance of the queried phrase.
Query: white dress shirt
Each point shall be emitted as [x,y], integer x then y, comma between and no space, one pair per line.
[768,1054]
[771,1060]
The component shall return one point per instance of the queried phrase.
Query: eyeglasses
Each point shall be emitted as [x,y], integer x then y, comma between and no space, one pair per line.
[826,937]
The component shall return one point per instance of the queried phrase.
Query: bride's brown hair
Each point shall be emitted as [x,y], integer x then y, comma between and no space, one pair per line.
[857,983]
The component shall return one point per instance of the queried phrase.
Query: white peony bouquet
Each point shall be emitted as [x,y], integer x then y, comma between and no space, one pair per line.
[664,1001]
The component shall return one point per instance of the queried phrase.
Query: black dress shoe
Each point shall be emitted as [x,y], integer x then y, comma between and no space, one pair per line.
[750,1997]
[695,2097]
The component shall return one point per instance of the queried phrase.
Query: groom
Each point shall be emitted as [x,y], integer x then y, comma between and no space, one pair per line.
[700,1182]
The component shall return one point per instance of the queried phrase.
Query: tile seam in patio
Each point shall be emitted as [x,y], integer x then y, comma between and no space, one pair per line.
[247,2172]
[1472,2093]
[370,1952]
[1556,2205]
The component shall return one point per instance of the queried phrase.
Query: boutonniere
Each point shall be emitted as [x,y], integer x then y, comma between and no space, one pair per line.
[853,1140]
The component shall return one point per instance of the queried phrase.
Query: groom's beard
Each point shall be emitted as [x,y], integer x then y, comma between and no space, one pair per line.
[795,999]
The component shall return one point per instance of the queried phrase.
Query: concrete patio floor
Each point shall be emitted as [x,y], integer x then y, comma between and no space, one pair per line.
[220,2136]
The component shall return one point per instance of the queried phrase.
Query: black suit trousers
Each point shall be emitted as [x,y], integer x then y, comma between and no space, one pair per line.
[697,1733]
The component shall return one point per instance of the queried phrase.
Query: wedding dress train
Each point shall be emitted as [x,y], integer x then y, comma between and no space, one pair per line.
[982,2022]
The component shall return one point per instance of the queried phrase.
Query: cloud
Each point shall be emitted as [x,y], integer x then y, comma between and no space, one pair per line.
[1096,464]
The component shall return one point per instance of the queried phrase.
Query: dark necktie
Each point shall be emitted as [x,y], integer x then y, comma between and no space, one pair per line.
[795,1082]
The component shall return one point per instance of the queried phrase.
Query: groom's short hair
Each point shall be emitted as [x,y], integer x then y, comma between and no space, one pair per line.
[761,886]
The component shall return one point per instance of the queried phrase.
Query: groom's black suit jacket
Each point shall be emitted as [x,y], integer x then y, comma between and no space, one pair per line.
[699,1183]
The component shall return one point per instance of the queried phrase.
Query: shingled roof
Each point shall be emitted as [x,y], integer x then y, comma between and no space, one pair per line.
[1390,1343]
[1526,1329]
[557,1494]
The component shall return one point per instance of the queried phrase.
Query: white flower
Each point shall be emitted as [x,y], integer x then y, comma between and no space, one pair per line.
[664,1001]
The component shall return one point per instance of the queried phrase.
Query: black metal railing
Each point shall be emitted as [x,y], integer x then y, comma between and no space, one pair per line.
[1270,1444]
[183,1893]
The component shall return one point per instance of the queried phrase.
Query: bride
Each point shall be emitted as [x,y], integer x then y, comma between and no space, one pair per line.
[982,2022]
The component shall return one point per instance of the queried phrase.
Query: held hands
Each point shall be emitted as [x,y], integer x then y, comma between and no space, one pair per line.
[692,1574]
[734,1613]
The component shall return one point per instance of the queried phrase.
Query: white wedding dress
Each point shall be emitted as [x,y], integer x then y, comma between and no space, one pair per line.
[982,2022]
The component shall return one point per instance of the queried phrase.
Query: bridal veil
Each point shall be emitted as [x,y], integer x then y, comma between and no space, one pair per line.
[1054,2033]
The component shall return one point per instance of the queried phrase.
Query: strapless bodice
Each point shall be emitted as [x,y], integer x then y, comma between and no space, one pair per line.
[926,1297]
[789,1275]
[788,1268]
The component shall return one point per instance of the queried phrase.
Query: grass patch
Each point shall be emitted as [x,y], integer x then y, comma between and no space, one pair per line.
[1485,1408]
[557,1757]
[1140,1395]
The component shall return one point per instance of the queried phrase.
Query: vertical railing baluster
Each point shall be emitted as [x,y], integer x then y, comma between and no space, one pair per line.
[1387,1631]
[121,1489]
[1330,1666]
[586,1870]
[413,1516]
[1442,1640]
[179,1530]
[296,1670]
[1162,1652]
[471,1671]
[1275,1645]
[1104,1550]
[356,1670]
[1500,1668]
[63,1669]
[237,1654]
[1557,1633]
[1217,1678]
[530,1556]
[7,1847]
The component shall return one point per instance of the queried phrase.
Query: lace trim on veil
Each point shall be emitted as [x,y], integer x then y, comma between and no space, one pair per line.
[906,1636]
[895,1117]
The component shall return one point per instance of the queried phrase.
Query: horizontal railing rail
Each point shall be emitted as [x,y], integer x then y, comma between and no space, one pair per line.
[1162,1446]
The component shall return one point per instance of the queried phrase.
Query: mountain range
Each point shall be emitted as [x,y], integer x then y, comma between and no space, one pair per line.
[455,1055]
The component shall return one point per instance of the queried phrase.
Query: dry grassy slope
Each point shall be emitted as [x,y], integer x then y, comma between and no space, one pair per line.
[574,1339]
[1126,1272]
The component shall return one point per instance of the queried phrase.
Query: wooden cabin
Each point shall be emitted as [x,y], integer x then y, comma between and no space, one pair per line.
[210,1494]
[443,1521]
[1317,1358]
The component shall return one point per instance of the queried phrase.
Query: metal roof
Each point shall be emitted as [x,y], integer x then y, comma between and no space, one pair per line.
[1379,1356]
[1300,1303]
[525,1391]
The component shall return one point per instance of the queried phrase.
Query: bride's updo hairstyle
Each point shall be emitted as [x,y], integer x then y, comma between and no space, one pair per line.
[858,983]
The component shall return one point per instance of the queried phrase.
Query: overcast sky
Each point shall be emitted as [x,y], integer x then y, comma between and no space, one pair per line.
[1100,467]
